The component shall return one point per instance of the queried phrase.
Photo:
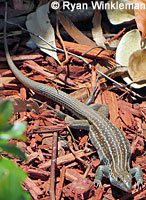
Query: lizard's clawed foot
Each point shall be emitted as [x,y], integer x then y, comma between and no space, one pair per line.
[138,184]
[98,183]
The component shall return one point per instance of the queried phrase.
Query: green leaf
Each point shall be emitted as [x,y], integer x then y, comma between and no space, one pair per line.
[6,110]
[11,178]
[6,128]
[13,131]
[11,148]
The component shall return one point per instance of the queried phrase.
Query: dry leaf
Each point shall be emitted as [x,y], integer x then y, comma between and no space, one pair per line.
[137,65]
[140,18]
[97,30]
[75,33]
[39,23]
[118,16]
[129,43]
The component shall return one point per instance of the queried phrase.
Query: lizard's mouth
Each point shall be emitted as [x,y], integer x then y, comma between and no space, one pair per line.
[125,187]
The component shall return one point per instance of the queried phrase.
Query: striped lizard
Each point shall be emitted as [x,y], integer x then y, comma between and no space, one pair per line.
[112,146]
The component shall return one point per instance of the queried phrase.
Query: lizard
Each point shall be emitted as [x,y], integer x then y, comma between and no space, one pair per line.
[112,146]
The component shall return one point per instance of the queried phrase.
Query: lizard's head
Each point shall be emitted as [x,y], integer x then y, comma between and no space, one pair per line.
[122,180]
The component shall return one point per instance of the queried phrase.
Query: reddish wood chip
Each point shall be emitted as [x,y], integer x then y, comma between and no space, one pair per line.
[33,189]
[79,189]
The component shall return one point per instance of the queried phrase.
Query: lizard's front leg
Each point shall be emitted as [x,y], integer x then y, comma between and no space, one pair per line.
[73,123]
[102,169]
[137,173]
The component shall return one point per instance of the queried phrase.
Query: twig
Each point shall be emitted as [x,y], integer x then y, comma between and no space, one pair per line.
[53,165]
[61,41]
[119,84]
[61,182]
[117,35]
[48,131]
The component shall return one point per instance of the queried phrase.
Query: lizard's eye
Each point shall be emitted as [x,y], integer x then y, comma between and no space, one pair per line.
[118,179]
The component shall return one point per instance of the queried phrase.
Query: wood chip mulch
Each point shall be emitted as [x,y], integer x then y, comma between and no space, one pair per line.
[48,137]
